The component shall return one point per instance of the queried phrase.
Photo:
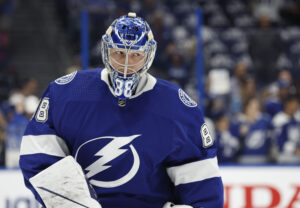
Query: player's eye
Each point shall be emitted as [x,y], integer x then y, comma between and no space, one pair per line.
[136,54]
[120,52]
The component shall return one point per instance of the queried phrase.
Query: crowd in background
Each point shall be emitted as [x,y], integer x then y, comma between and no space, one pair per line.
[251,53]
[18,99]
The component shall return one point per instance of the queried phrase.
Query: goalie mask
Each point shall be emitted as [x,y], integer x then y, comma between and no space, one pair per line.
[128,50]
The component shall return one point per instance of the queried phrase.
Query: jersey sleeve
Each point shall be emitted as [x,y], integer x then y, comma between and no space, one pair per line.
[41,145]
[192,165]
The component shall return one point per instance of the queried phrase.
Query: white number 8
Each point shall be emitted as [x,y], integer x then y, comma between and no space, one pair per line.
[42,113]
[119,87]
[123,87]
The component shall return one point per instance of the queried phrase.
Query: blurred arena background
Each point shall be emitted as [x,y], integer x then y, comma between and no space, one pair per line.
[240,59]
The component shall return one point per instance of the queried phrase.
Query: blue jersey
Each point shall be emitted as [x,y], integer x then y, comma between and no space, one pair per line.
[155,149]
[288,136]
[228,146]
[286,131]
[256,144]
[273,106]
[14,132]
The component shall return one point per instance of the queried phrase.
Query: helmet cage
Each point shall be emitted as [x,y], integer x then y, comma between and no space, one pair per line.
[127,43]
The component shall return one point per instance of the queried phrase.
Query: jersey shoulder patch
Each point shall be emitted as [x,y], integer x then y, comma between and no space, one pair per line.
[66,79]
[186,99]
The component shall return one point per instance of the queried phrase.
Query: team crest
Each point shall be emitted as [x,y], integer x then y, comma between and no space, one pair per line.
[101,164]
[186,99]
[66,79]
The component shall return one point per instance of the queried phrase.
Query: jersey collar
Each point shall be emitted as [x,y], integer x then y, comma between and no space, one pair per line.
[146,83]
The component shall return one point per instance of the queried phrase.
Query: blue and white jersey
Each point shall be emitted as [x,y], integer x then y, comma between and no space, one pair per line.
[155,149]
[228,146]
[14,132]
[256,143]
[287,137]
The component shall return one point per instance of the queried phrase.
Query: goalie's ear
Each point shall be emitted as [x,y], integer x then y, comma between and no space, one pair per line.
[64,185]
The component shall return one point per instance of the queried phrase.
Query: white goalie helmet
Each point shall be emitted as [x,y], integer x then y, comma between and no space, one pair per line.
[128,49]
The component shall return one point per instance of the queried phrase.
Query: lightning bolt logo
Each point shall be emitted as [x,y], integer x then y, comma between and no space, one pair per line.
[108,153]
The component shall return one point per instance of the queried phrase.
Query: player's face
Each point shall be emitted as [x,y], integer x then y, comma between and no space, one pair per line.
[127,61]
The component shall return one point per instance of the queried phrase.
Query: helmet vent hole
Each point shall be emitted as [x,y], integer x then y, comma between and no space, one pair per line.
[123,27]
